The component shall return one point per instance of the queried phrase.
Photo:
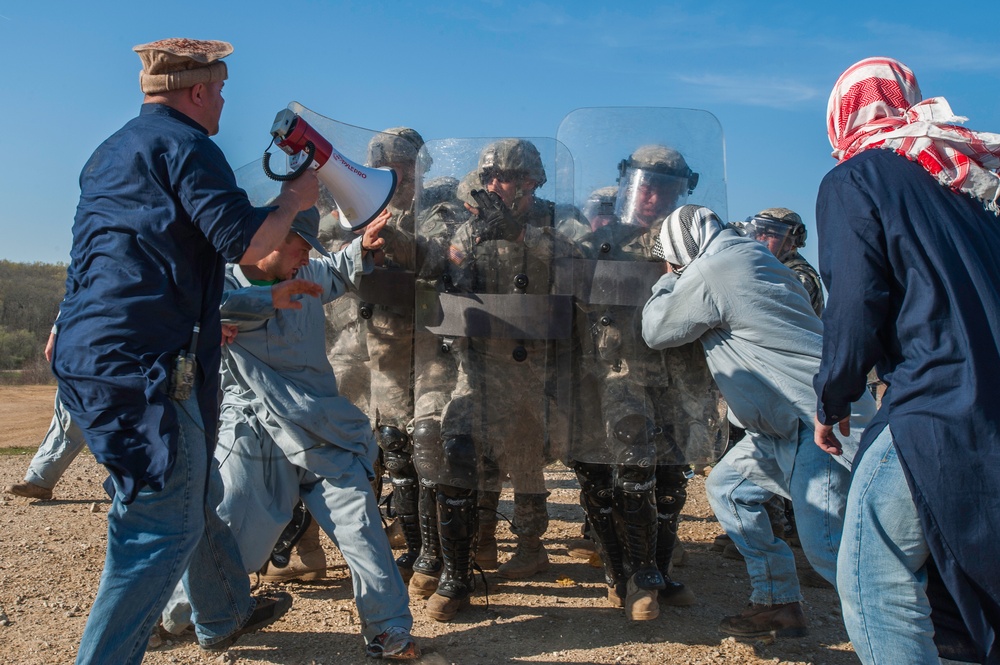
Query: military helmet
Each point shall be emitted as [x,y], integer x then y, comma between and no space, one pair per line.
[659,159]
[781,221]
[397,145]
[515,156]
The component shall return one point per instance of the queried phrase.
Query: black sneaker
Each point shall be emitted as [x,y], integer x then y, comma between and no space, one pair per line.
[269,608]
[394,644]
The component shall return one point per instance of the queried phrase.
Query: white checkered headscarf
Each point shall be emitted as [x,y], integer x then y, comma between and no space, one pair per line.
[685,234]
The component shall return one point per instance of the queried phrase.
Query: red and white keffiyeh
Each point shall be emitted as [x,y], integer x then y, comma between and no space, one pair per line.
[877,103]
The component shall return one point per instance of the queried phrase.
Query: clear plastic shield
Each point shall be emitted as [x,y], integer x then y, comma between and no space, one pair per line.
[626,401]
[490,323]
[369,332]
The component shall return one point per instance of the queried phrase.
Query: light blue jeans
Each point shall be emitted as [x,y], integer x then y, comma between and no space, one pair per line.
[151,541]
[262,487]
[881,571]
[62,443]
[818,488]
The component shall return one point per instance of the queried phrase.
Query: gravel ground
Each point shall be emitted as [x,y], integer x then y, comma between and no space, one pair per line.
[51,555]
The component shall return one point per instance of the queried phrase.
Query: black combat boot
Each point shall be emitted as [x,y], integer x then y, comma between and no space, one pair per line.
[427,567]
[458,515]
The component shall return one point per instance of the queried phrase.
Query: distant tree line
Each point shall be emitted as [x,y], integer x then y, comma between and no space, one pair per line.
[30,294]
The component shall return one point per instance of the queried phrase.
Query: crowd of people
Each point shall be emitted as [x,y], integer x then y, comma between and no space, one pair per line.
[475,332]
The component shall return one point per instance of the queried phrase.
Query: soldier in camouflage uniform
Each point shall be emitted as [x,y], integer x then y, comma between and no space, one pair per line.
[372,352]
[654,405]
[497,418]
[784,233]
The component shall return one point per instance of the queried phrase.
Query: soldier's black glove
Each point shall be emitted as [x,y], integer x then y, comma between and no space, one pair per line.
[495,221]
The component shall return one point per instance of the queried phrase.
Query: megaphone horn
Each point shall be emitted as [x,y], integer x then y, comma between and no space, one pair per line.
[361,192]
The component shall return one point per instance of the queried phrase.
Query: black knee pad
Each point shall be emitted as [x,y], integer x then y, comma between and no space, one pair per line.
[460,460]
[392,439]
[426,434]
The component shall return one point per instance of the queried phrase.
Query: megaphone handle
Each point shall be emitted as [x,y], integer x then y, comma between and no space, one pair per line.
[310,151]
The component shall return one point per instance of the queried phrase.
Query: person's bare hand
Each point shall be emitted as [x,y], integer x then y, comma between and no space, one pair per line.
[371,241]
[282,293]
[50,346]
[305,189]
[228,333]
[824,437]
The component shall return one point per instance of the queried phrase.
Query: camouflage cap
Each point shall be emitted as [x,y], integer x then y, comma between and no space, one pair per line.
[513,155]
[175,64]
[396,145]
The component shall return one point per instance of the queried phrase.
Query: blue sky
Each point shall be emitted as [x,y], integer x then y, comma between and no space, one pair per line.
[472,68]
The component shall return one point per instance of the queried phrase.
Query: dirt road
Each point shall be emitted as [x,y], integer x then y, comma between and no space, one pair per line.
[51,555]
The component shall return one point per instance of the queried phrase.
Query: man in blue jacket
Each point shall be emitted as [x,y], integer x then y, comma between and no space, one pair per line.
[908,234]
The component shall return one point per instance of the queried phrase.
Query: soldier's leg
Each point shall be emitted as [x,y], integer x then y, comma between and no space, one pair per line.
[397,453]
[671,495]
[457,518]
[635,512]
[489,502]
[596,497]
[531,519]
[427,566]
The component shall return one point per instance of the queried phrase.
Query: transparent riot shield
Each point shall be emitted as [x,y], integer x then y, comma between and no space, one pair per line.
[369,332]
[490,324]
[632,167]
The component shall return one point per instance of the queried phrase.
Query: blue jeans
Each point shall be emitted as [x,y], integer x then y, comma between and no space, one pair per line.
[818,489]
[62,443]
[262,487]
[150,543]
[881,568]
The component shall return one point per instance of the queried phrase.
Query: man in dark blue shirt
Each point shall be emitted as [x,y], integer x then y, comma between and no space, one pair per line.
[909,239]
[159,216]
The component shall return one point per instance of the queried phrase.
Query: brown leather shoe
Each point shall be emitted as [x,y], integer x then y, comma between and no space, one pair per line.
[783,620]
[30,491]
[640,604]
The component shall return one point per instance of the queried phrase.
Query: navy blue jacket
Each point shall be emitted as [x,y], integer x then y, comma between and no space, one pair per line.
[913,273]
[160,215]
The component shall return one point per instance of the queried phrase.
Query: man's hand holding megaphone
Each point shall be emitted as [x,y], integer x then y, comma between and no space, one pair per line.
[495,222]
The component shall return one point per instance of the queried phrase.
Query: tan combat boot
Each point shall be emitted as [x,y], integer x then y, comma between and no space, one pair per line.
[443,608]
[423,585]
[486,549]
[529,558]
[307,563]
[641,604]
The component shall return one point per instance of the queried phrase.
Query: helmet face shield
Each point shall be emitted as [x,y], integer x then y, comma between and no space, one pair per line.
[777,235]
[646,197]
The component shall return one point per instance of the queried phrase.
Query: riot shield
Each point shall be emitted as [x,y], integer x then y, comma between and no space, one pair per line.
[624,401]
[489,321]
[369,332]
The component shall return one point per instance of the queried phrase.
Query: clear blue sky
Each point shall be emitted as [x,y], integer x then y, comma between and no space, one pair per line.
[69,78]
